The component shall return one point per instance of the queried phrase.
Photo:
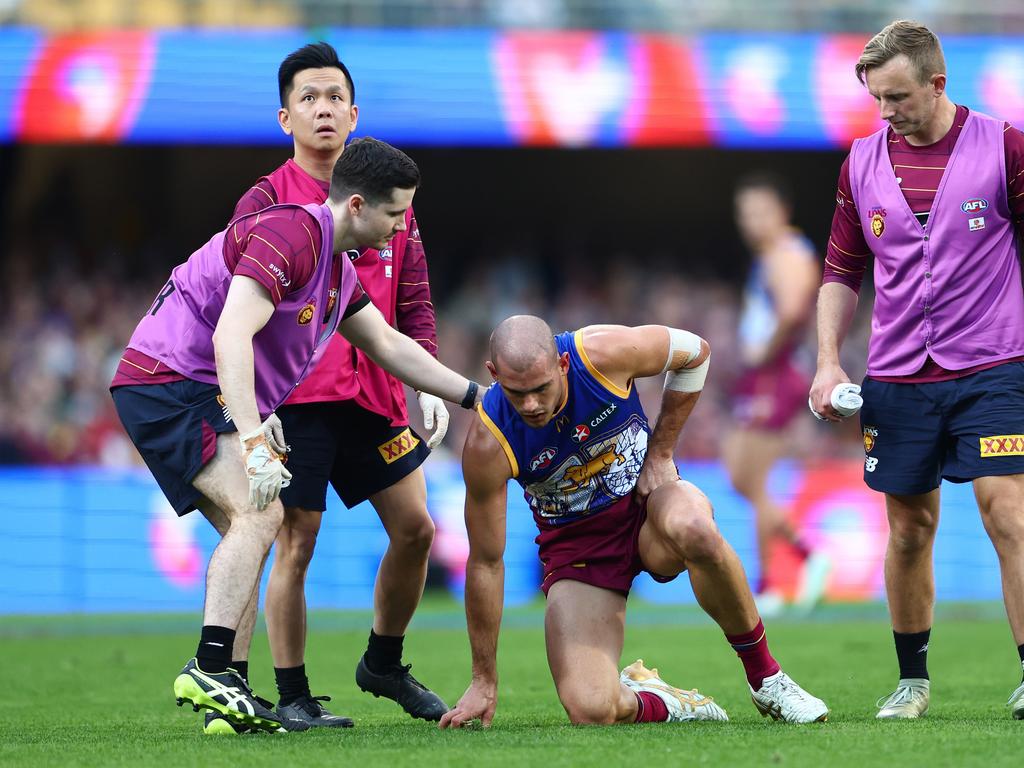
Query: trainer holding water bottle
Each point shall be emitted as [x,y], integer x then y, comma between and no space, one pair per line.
[937,198]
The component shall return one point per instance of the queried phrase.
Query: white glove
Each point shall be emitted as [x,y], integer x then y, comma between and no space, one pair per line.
[264,468]
[433,409]
[273,430]
[845,398]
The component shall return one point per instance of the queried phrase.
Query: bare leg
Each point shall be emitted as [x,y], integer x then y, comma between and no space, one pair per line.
[247,625]
[680,534]
[285,603]
[403,570]
[749,456]
[234,569]
[909,580]
[1001,501]
[583,629]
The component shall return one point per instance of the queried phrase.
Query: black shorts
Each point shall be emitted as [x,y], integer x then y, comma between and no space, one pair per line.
[916,435]
[174,426]
[355,450]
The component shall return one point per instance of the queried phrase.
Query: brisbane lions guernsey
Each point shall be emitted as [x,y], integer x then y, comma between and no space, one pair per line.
[587,457]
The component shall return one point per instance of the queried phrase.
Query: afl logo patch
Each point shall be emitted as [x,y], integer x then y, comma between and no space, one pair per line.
[877,225]
[974,205]
[306,314]
[385,253]
[543,459]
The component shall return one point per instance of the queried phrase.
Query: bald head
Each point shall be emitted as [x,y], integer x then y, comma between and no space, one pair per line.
[520,341]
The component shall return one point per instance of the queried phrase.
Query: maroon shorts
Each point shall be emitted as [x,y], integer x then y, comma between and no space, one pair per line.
[602,550]
[769,397]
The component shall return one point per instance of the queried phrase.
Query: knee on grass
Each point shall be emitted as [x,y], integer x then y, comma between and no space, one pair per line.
[590,711]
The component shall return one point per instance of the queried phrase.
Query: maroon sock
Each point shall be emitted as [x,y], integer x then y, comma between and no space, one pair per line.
[752,648]
[801,548]
[650,708]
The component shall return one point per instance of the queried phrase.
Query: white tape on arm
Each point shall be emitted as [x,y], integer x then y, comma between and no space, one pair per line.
[681,341]
[688,379]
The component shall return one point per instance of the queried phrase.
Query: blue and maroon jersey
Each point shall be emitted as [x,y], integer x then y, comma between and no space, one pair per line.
[588,456]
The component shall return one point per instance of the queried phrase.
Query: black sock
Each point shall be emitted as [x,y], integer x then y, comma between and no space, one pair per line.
[291,683]
[383,652]
[214,651]
[1020,652]
[242,668]
[912,652]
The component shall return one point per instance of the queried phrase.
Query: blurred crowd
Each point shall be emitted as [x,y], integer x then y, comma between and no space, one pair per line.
[671,16]
[68,315]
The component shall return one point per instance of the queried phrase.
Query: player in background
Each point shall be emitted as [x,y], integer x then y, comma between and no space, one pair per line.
[230,335]
[347,422]
[778,304]
[937,197]
[567,424]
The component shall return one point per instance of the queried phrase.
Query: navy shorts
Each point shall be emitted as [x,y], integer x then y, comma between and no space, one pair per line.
[917,434]
[174,426]
[355,450]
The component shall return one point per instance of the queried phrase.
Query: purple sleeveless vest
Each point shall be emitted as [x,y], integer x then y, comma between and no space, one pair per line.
[180,332]
[950,290]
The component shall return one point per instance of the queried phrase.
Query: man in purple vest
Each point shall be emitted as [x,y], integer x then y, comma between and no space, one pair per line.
[380,458]
[230,335]
[937,197]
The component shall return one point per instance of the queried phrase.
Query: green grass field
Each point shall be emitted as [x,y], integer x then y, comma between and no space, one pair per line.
[95,691]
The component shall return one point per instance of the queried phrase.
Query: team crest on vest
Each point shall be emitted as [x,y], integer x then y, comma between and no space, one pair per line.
[305,316]
[877,221]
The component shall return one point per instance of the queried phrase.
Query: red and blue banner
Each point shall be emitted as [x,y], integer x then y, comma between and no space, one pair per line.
[475,88]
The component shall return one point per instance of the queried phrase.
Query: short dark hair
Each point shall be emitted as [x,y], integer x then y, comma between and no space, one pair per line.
[312,56]
[773,182]
[373,169]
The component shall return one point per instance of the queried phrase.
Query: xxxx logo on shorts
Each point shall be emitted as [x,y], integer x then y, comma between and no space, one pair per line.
[397,447]
[1002,445]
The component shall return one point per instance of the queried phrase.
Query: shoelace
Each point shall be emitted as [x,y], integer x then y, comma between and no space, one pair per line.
[402,671]
[311,705]
[788,686]
[902,695]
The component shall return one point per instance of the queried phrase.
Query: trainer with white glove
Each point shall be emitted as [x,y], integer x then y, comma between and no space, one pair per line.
[229,336]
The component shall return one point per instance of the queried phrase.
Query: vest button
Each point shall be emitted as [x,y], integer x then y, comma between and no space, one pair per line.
[928,275]
[926,237]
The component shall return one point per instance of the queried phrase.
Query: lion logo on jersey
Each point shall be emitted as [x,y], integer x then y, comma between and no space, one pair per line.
[580,475]
[306,314]
[877,225]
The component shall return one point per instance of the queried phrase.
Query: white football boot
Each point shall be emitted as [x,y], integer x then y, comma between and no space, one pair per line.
[1016,703]
[784,700]
[909,700]
[682,705]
